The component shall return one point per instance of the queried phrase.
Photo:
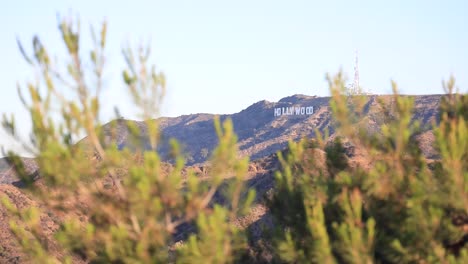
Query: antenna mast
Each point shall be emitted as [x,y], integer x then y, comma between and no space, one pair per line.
[356,88]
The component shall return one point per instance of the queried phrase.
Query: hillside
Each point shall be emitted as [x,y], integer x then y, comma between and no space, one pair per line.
[7,174]
[260,133]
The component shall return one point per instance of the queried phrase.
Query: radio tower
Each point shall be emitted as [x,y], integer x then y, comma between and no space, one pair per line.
[356,89]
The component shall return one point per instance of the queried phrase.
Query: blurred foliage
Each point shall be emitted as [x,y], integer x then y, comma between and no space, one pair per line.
[120,206]
[402,208]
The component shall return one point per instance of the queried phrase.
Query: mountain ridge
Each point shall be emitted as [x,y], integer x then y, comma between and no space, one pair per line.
[260,133]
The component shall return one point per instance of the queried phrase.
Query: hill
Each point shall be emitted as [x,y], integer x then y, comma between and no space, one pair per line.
[260,133]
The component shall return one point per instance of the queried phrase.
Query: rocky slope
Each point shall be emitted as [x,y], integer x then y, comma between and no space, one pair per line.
[8,175]
[260,133]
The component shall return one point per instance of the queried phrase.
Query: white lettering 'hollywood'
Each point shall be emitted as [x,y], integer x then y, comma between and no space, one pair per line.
[293,110]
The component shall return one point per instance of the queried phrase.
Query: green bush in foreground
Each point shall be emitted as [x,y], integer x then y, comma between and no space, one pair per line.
[129,207]
[401,209]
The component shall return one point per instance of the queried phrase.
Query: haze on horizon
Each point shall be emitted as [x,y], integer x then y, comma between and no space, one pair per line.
[221,57]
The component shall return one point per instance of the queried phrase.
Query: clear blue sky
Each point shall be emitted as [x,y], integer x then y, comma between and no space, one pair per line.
[222,56]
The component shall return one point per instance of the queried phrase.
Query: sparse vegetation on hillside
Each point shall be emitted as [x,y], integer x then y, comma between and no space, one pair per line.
[118,205]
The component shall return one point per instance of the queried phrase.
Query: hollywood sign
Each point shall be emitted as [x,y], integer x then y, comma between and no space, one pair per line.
[293,110]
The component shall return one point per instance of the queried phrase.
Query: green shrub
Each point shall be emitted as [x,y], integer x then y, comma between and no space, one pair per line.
[402,209]
[133,204]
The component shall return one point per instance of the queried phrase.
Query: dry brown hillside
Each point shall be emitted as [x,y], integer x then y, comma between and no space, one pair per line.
[259,132]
